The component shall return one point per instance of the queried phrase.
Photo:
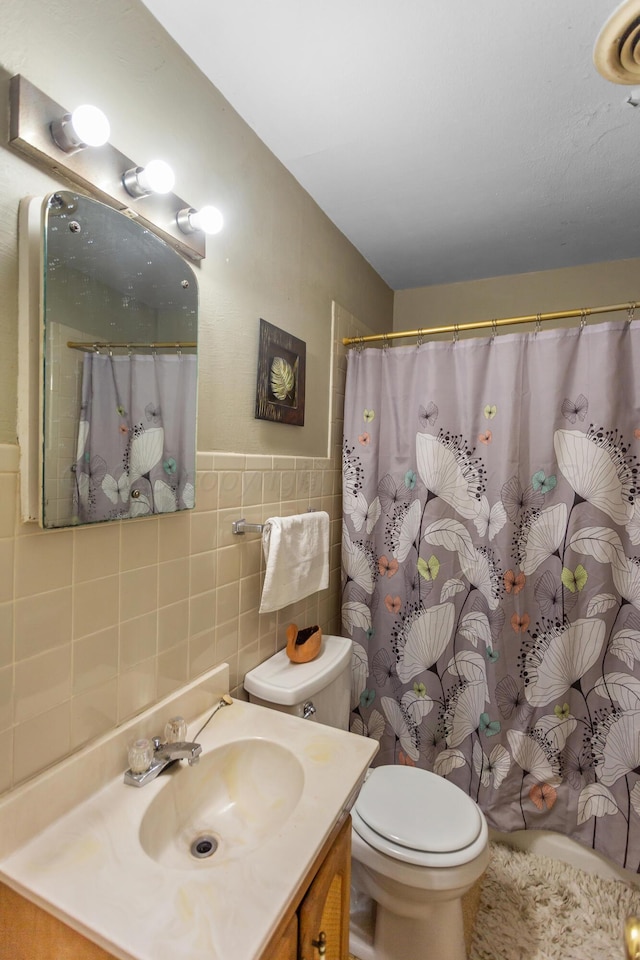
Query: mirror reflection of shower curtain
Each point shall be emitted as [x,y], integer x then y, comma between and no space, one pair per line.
[136,436]
[491,504]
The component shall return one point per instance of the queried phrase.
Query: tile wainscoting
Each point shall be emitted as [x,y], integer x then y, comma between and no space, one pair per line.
[97,623]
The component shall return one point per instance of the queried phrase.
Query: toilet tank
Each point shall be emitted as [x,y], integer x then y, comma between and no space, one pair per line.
[290,687]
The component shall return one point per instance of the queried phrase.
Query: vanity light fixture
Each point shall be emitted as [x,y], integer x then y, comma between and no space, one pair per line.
[47,134]
[87,126]
[156,177]
[208,219]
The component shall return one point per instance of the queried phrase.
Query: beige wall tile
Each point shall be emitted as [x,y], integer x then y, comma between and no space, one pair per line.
[95,659]
[248,658]
[228,565]
[204,532]
[251,488]
[202,653]
[6,569]
[203,572]
[6,760]
[229,489]
[138,639]
[250,593]
[229,461]
[139,543]
[42,622]
[249,627]
[9,458]
[94,713]
[227,640]
[173,625]
[41,741]
[173,669]
[174,534]
[173,580]
[41,683]
[96,551]
[8,504]
[202,612]
[271,486]
[136,689]
[227,602]
[138,592]
[6,634]
[251,556]
[287,485]
[6,697]
[206,490]
[43,562]
[95,605]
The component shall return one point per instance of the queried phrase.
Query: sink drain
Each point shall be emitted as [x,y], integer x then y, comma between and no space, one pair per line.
[203,847]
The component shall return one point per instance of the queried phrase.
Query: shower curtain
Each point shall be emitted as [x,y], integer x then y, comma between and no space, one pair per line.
[491,567]
[136,436]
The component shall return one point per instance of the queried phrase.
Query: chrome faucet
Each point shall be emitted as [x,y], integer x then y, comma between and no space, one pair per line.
[166,753]
[163,755]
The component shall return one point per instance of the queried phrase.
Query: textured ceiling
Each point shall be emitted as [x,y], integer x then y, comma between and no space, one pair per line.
[448,139]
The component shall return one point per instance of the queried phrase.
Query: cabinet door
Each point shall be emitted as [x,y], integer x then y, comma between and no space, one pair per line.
[287,946]
[324,911]
[29,933]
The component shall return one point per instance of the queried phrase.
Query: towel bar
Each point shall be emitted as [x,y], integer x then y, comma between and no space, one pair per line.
[241,526]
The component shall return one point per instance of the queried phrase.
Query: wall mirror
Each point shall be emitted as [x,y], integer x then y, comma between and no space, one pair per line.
[117,334]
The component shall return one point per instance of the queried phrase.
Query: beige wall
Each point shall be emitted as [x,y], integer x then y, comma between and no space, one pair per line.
[278,258]
[548,291]
[98,623]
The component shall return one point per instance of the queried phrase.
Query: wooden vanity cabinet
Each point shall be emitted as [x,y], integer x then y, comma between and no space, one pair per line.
[317,924]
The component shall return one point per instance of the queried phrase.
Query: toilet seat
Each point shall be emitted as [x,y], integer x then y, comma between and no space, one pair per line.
[417,817]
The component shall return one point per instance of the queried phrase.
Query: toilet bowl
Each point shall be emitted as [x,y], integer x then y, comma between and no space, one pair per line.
[419,843]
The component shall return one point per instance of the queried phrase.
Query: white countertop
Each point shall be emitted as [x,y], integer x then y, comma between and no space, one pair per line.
[88,867]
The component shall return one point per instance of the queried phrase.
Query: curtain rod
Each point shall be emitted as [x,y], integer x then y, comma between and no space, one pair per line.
[457,328]
[166,345]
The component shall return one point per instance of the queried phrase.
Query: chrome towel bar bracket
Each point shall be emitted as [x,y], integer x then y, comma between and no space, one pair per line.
[241,526]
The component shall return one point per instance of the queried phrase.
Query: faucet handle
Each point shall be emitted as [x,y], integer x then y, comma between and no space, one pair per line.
[175,730]
[140,754]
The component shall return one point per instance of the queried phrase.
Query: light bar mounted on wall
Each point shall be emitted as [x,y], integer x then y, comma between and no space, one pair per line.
[97,170]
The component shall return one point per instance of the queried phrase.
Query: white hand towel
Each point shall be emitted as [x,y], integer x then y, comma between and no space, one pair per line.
[296,550]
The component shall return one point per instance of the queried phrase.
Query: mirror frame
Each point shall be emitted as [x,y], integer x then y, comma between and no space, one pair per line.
[32,223]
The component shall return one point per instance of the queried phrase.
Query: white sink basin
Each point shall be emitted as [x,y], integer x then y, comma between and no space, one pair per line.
[223,807]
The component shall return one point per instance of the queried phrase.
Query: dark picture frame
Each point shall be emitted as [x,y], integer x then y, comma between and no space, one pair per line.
[281,376]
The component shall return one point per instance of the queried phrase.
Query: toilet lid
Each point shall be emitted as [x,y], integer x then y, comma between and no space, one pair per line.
[418,810]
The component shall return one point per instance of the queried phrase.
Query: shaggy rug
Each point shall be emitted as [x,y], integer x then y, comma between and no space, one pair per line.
[536,908]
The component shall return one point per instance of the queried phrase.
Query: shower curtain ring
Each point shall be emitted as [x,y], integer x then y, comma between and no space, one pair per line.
[538,324]
[631,309]
[420,339]
[583,319]
[456,333]
[494,330]
[385,341]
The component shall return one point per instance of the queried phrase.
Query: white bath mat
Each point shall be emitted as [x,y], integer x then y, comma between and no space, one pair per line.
[536,908]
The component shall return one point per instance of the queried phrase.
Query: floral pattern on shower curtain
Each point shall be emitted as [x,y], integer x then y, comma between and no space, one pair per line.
[136,444]
[491,566]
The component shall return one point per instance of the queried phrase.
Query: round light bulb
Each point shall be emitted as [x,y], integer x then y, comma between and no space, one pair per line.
[208,219]
[157,177]
[90,125]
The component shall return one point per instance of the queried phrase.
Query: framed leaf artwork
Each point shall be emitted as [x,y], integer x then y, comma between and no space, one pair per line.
[281,376]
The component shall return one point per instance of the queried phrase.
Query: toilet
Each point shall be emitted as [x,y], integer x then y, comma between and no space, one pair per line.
[419,843]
